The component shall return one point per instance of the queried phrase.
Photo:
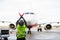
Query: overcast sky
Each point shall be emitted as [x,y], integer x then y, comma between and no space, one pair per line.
[45,10]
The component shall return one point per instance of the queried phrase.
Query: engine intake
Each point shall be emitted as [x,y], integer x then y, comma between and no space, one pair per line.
[12,26]
[48,27]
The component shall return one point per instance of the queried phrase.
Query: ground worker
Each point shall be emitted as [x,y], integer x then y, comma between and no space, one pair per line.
[21,29]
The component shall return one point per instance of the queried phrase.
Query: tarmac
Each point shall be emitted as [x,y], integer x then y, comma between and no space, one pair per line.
[45,35]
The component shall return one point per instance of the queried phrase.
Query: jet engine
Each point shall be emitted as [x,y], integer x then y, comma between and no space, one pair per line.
[12,26]
[48,27]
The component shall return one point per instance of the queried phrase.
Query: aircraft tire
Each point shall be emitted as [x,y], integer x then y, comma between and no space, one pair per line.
[40,30]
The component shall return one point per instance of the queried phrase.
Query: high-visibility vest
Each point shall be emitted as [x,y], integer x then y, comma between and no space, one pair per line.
[21,31]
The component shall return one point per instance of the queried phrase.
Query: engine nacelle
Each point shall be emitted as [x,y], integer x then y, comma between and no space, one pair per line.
[48,27]
[12,26]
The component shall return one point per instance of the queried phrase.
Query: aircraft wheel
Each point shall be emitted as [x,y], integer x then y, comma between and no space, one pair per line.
[39,30]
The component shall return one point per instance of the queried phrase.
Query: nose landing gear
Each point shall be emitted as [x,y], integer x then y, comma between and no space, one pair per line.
[29,32]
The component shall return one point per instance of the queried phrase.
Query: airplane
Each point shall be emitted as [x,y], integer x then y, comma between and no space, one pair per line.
[48,26]
[30,25]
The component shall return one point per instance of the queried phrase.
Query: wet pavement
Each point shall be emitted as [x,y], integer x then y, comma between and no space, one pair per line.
[45,35]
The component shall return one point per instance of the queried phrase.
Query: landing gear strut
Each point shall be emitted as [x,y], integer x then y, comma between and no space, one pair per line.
[39,28]
[29,32]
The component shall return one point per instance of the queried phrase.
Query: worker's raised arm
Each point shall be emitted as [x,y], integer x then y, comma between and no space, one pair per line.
[18,20]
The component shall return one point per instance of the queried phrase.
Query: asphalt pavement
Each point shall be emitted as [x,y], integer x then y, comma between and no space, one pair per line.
[44,35]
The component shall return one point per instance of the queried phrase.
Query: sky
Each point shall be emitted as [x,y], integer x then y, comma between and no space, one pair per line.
[44,10]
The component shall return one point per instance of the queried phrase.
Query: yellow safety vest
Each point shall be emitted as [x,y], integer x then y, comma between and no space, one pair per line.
[21,31]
